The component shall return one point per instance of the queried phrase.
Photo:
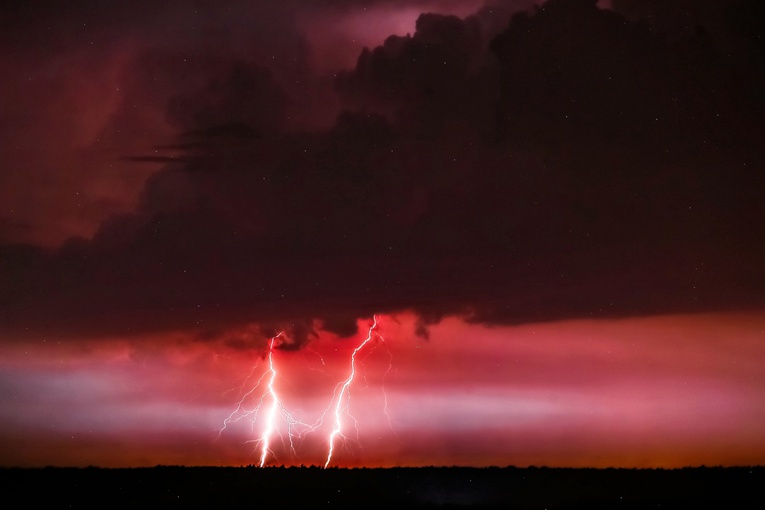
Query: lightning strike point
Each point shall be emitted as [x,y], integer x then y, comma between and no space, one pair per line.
[344,398]
[265,439]
[275,408]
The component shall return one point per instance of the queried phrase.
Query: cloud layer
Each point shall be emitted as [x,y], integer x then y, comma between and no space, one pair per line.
[579,162]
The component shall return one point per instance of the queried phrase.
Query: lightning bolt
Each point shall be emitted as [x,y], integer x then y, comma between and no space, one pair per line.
[275,407]
[271,408]
[276,404]
[343,402]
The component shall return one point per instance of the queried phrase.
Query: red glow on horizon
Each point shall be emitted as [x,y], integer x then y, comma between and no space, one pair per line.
[663,391]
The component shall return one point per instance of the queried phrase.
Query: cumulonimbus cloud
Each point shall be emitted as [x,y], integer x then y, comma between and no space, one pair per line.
[577,164]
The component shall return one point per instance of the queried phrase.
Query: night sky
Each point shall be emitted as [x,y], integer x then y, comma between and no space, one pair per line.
[550,214]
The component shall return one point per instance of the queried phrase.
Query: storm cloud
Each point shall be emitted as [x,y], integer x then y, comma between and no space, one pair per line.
[569,161]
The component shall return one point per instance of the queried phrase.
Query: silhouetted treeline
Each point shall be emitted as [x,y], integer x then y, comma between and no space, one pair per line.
[429,487]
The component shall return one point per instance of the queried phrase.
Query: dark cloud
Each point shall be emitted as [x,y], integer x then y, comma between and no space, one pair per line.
[440,78]
[86,86]
[423,81]
[577,164]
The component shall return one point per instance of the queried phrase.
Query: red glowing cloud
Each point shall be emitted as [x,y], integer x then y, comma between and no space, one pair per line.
[337,38]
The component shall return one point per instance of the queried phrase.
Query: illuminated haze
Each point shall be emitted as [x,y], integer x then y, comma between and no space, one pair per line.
[553,208]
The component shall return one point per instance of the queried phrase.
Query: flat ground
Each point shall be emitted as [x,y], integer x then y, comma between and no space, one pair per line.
[274,487]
